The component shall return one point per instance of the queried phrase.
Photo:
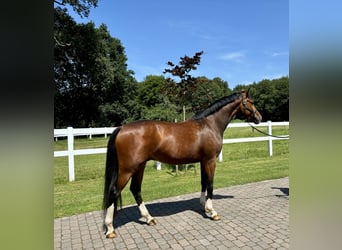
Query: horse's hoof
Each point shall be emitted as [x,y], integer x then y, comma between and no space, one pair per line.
[111,235]
[152,222]
[216,217]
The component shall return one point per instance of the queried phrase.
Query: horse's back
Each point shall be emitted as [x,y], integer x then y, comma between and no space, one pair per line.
[137,134]
[158,140]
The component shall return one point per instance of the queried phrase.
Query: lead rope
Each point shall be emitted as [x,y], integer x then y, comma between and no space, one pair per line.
[262,132]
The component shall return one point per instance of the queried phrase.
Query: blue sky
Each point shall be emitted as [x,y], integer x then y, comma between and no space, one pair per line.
[244,41]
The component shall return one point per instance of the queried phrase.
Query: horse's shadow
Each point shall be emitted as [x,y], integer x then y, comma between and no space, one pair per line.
[160,209]
[285,191]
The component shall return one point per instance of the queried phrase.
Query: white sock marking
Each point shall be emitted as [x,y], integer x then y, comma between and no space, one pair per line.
[109,219]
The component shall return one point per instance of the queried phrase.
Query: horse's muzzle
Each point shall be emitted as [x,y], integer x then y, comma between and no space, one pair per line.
[257,118]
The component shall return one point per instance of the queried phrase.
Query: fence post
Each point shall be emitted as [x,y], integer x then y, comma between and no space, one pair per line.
[158,164]
[269,131]
[71,153]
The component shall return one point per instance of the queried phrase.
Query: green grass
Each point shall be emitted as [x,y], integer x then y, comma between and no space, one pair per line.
[242,163]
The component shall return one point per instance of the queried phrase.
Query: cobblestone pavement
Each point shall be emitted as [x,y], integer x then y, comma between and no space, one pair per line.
[253,216]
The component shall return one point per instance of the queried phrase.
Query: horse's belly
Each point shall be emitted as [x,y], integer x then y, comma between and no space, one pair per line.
[177,154]
[175,160]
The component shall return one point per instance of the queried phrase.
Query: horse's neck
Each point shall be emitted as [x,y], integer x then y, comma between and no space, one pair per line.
[222,117]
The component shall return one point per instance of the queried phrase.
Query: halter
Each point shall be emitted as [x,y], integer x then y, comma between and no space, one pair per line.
[244,102]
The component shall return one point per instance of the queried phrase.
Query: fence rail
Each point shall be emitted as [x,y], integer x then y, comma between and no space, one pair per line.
[83,131]
[70,133]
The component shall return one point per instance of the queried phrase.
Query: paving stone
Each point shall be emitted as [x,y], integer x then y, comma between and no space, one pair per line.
[253,216]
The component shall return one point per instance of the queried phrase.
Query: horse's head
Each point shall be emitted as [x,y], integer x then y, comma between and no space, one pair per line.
[248,109]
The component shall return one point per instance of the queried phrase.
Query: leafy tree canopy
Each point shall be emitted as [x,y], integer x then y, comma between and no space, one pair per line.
[272,98]
[81,7]
[192,93]
[184,89]
[92,84]
[150,90]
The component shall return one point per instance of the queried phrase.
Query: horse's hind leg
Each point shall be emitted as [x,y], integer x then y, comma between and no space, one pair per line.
[110,213]
[109,219]
[136,191]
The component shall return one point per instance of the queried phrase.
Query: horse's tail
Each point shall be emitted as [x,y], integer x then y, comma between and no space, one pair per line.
[111,194]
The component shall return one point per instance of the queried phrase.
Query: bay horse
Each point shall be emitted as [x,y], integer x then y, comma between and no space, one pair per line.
[198,139]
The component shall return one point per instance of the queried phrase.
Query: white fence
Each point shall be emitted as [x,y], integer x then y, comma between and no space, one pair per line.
[70,133]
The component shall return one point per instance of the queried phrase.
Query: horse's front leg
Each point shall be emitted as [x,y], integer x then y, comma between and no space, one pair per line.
[204,182]
[136,191]
[207,181]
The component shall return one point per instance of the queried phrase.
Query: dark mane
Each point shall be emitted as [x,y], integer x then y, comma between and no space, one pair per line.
[216,106]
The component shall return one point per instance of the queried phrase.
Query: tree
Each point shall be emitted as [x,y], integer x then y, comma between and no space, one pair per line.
[182,92]
[117,85]
[81,7]
[92,84]
[73,51]
[149,91]
[153,105]
[208,91]
[165,111]
[271,98]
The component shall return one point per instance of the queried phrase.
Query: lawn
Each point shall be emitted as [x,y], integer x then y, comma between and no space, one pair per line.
[242,163]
